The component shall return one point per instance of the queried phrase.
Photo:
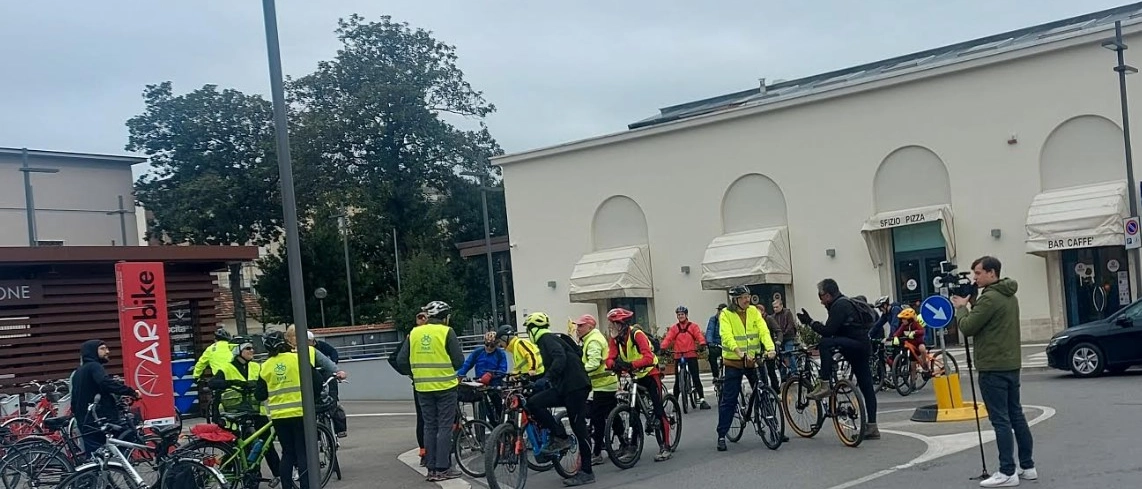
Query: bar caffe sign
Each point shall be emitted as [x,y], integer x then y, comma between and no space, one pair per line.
[20,292]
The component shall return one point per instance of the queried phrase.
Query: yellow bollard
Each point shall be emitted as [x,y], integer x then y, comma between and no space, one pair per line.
[950,404]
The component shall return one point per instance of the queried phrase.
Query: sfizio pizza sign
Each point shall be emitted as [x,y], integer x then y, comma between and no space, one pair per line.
[146,338]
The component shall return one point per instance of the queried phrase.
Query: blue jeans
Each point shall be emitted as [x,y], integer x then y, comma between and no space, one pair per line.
[731,387]
[1000,392]
[788,346]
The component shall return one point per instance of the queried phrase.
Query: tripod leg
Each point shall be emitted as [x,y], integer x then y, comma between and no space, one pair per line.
[975,406]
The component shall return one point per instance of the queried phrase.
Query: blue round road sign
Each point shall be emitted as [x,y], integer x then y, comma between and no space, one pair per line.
[937,311]
[1132,227]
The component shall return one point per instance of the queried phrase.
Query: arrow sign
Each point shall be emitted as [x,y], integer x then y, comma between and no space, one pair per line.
[936,311]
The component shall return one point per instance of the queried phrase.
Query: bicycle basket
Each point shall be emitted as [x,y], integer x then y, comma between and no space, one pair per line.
[468,393]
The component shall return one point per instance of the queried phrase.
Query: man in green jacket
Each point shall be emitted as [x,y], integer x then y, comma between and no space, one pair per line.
[994,323]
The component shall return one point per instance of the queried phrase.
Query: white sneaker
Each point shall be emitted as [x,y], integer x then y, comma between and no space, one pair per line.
[999,479]
[1029,474]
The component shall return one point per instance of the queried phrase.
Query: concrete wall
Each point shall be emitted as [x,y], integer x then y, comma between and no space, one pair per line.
[824,156]
[374,380]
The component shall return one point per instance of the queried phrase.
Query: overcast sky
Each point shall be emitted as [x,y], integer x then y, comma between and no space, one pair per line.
[74,70]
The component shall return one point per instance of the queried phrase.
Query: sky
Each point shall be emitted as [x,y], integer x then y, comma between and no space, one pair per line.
[74,70]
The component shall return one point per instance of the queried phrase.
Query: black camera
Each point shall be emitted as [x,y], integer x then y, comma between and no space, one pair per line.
[958,284]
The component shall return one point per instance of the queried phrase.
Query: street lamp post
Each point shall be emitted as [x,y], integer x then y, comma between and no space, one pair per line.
[484,189]
[29,199]
[1124,69]
[343,226]
[293,245]
[122,212]
[321,294]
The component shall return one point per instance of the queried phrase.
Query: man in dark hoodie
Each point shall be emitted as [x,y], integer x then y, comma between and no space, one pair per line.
[993,323]
[89,380]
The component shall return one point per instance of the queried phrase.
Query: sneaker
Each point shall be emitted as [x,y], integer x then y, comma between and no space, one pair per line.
[999,479]
[822,391]
[432,476]
[872,432]
[665,454]
[703,404]
[722,444]
[598,460]
[556,446]
[275,482]
[449,474]
[1028,474]
[342,434]
[423,461]
[580,479]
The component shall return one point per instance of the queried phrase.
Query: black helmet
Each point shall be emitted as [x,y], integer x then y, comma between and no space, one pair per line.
[681,309]
[739,290]
[275,342]
[222,334]
[505,331]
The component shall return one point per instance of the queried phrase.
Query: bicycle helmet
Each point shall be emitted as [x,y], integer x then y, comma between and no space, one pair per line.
[738,291]
[537,320]
[681,309]
[619,315]
[907,313]
[437,309]
[275,342]
[222,334]
[882,301]
[505,331]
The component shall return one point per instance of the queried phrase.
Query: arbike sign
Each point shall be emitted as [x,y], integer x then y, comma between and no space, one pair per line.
[146,338]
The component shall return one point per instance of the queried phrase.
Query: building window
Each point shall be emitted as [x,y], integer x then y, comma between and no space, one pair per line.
[640,306]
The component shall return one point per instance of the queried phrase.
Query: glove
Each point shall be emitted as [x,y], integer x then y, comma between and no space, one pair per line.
[621,365]
[895,341]
[486,378]
[804,317]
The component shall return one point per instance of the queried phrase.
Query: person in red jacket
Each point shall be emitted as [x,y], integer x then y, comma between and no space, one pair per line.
[911,331]
[630,351]
[686,338]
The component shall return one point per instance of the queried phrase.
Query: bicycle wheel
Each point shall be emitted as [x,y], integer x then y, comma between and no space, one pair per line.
[849,417]
[222,456]
[767,418]
[623,436]
[112,475]
[805,415]
[674,420]
[944,363]
[468,446]
[188,473]
[326,452]
[684,390]
[34,464]
[504,459]
[737,424]
[902,372]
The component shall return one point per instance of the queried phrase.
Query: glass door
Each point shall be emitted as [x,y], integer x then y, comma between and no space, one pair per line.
[1096,283]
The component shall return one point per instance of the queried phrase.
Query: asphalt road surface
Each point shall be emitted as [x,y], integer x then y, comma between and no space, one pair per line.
[1085,435]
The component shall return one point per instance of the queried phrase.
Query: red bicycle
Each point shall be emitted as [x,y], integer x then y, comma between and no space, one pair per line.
[41,406]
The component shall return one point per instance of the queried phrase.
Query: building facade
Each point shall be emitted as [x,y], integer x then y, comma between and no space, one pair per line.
[1009,146]
[76,206]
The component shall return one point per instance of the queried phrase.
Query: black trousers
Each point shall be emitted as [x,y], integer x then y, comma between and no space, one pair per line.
[692,366]
[856,352]
[601,406]
[291,434]
[715,354]
[539,405]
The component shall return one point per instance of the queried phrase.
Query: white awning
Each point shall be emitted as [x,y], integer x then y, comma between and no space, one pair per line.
[1077,217]
[757,256]
[612,273]
[907,217]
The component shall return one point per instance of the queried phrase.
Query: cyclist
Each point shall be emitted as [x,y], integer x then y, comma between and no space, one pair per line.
[569,387]
[911,330]
[713,339]
[491,363]
[524,354]
[889,315]
[236,383]
[631,351]
[217,355]
[686,339]
[743,331]
[279,385]
[786,323]
[603,382]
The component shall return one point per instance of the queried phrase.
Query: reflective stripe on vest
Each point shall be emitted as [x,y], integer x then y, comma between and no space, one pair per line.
[632,353]
[432,368]
[601,378]
[747,336]
[524,352]
[283,381]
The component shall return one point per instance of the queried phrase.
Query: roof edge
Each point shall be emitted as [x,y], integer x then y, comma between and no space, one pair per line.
[131,160]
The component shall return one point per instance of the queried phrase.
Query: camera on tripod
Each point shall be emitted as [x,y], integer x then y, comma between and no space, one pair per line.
[958,284]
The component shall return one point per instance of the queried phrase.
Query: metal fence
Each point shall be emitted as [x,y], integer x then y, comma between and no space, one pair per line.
[349,353]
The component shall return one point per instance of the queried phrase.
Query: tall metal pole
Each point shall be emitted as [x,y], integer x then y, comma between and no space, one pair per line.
[344,222]
[122,211]
[293,247]
[396,255]
[1123,69]
[29,201]
[488,252]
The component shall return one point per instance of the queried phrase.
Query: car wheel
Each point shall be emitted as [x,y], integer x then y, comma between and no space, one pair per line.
[1086,360]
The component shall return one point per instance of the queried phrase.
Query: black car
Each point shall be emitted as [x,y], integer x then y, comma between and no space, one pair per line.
[1113,344]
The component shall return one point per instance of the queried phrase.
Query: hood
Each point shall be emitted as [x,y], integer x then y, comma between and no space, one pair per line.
[89,351]
[1005,286]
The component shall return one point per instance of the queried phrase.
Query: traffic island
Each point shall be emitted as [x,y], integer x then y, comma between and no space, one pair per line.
[950,405]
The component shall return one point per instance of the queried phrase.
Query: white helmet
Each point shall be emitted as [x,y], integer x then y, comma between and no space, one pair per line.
[882,301]
[437,309]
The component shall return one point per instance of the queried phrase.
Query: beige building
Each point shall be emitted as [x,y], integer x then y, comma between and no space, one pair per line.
[1009,145]
[75,206]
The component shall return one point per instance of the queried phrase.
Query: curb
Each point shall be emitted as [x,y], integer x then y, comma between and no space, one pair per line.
[411,458]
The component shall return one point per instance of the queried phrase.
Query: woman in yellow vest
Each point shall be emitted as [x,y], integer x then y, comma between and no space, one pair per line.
[432,353]
[235,383]
[279,386]
[604,383]
[743,331]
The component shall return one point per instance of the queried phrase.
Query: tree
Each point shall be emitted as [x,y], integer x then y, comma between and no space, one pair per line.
[427,277]
[213,179]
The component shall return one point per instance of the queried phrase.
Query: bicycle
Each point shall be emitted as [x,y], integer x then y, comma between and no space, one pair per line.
[634,402]
[326,409]
[684,384]
[844,404]
[908,378]
[506,447]
[764,409]
[109,462]
[470,435]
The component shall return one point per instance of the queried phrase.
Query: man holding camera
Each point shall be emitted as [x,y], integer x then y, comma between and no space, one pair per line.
[993,321]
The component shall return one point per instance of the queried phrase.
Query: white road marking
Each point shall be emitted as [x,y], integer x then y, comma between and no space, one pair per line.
[411,458]
[379,415]
[942,446]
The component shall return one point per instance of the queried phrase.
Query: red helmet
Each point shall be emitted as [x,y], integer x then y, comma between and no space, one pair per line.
[619,315]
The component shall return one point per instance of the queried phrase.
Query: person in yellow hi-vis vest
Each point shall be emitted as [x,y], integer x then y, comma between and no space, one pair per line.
[235,384]
[216,355]
[432,353]
[279,385]
[743,331]
[604,383]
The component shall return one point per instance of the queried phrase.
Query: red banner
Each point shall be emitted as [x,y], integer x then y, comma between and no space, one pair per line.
[146,339]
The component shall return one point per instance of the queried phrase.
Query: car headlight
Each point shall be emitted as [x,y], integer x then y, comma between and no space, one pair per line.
[1056,340]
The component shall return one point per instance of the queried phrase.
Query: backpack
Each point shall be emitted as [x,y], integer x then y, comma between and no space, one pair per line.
[570,343]
[655,344]
[865,315]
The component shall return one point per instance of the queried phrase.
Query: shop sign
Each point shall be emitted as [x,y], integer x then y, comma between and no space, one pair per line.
[20,292]
[1068,243]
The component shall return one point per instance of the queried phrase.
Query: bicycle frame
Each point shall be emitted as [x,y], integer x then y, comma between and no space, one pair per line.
[241,453]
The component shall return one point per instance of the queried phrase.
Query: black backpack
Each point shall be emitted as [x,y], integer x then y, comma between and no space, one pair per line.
[655,344]
[572,347]
[865,315]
